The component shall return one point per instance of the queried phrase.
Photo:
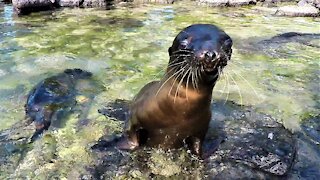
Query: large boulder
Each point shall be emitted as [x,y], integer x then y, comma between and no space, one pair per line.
[301,11]
[28,6]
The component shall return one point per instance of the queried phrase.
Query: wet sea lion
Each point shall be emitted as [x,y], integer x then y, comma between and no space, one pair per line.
[51,97]
[175,111]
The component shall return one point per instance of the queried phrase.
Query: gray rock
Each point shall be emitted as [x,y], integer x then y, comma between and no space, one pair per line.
[155,1]
[241,2]
[301,11]
[28,6]
[94,3]
[69,3]
[315,3]
[213,3]
[216,3]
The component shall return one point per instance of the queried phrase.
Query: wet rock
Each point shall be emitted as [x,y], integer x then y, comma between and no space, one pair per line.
[301,11]
[7,1]
[96,3]
[13,146]
[254,140]
[256,146]
[155,1]
[315,3]
[118,110]
[215,3]
[23,7]
[307,164]
[311,128]
[69,3]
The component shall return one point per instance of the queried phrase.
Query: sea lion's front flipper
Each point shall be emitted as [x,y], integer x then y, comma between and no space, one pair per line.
[118,109]
[36,135]
[124,142]
[194,144]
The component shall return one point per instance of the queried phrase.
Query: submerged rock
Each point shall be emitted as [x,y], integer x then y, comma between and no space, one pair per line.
[276,45]
[256,146]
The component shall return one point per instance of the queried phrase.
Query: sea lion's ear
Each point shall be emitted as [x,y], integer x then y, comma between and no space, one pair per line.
[170,51]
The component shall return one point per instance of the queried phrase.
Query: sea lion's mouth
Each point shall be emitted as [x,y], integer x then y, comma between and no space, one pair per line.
[210,67]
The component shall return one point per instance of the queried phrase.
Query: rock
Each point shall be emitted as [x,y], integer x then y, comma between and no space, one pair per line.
[213,3]
[27,6]
[256,147]
[69,3]
[154,1]
[97,3]
[315,3]
[216,3]
[301,11]
[241,2]
[278,45]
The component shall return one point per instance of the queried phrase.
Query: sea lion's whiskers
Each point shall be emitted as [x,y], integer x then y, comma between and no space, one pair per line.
[188,81]
[238,89]
[197,78]
[193,79]
[167,73]
[177,63]
[174,81]
[169,79]
[181,80]
[183,50]
[238,74]
[225,83]
[180,55]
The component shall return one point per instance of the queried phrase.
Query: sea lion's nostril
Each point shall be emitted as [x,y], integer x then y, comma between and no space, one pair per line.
[210,55]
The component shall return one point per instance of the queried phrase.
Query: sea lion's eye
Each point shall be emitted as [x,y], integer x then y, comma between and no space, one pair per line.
[184,43]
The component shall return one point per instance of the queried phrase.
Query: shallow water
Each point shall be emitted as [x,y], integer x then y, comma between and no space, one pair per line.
[127,47]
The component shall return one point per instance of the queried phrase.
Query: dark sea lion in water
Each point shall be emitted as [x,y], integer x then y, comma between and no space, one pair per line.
[175,111]
[51,96]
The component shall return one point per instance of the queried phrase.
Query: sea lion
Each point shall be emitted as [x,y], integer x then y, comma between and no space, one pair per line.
[51,97]
[175,111]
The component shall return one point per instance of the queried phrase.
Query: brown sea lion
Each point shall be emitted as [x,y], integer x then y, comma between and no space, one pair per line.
[175,111]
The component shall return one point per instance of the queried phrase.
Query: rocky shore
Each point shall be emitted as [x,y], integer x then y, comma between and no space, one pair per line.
[295,8]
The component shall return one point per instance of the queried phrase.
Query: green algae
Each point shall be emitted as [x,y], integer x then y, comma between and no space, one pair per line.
[127,47]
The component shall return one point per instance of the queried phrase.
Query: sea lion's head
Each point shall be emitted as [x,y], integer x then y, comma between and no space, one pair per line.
[201,49]
[78,73]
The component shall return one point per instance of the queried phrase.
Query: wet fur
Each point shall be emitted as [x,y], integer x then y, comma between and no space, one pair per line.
[175,111]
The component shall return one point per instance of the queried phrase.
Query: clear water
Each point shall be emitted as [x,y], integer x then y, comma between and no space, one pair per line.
[127,47]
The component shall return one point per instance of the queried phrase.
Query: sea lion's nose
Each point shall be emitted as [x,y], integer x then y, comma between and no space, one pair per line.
[210,56]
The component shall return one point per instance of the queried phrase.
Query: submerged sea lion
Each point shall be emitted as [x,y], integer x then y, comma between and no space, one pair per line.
[52,96]
[176,111]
